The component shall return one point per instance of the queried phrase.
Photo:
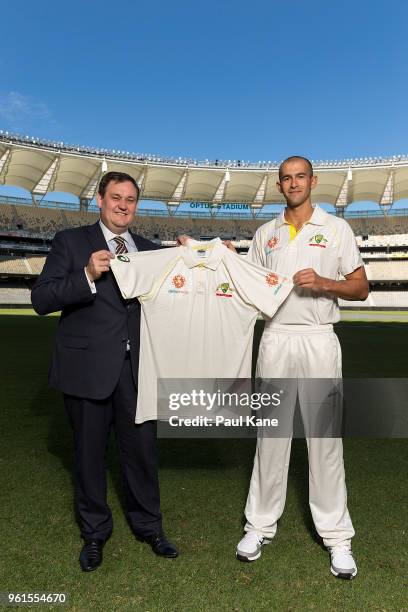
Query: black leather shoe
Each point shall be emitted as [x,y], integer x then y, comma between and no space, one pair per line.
[91,555]
[161,546]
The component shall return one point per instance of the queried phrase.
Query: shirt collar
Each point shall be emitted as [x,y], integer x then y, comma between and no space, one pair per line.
[190,254]
[108,235]
[319,217]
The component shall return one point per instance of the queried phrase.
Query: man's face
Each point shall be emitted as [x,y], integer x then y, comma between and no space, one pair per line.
[296,183]
[118,206]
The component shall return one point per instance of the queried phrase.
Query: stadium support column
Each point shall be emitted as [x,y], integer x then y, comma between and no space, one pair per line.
[178,194]
[387,198]
[255,209]
[343,197]
[172,207]
[259,199]
[84,204]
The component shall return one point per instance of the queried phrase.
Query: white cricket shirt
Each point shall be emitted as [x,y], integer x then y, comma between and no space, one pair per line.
[324,243]
[199,305]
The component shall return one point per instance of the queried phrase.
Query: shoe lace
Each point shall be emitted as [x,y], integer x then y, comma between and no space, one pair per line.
[341,548]
[254,538]
[93,549]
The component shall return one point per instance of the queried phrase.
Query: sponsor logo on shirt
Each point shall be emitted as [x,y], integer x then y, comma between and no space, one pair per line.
[318,240]
[273,281]
[271,244]
[224,290]
[178,281]
[123,258]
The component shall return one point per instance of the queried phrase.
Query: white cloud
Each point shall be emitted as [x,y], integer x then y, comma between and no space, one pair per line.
[22,112]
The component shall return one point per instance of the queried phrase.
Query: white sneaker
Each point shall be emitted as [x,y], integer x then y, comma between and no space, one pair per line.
[249,548]
[342,561]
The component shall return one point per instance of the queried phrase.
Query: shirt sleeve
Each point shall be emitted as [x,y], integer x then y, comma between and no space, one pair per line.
[349,255]
[91,284]
[256,253]
[264,289]
[137,274]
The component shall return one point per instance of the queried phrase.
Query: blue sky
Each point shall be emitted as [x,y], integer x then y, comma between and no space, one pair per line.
[252,80]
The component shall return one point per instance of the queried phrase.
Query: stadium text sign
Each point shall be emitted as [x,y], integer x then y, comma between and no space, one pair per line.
[224,206]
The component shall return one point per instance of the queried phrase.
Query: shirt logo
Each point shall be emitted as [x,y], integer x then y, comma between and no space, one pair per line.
[272,279]
[123,258]
[271,244]
[318,240]
[178,281]
[224,290]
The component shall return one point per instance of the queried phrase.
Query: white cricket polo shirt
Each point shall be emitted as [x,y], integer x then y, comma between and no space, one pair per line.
[199,305]
[324,243]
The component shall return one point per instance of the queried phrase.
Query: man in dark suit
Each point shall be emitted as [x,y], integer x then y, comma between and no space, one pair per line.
[95,365]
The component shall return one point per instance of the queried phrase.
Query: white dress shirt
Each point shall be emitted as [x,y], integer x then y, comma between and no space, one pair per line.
[110,239]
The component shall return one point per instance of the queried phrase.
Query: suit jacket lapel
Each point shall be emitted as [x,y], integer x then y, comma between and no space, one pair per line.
[96,237]
[137,241]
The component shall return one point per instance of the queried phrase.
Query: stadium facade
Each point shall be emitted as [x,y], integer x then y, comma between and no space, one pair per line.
[226,188]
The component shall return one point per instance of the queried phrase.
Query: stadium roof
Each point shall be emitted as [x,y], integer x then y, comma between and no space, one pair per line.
[43,166]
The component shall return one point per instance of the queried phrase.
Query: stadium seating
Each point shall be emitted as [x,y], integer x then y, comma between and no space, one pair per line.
[35,263]
[44,221]
[7,217]
[30,265]
[380,299]
[381,240]
[14,265]
[386,225]
[387,270]
[79,218]
[370,231]
[15,295]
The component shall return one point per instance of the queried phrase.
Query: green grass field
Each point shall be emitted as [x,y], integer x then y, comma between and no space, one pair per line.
[204,485]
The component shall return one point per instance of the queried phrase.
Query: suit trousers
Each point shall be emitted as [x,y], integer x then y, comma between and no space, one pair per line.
[299,352]
[92,421]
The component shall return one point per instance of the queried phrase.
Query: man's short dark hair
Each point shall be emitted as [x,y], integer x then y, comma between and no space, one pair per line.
[116,177]
[293,158]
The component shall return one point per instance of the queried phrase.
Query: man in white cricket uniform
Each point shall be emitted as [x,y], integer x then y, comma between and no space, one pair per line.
[315,249]
[199,306]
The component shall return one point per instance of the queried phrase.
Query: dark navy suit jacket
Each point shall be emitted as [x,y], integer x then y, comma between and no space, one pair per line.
[93,329]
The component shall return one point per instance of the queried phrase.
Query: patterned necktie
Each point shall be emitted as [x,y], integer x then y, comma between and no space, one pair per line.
[120,245]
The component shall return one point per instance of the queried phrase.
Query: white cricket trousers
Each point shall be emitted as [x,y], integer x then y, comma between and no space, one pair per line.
[299,351]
